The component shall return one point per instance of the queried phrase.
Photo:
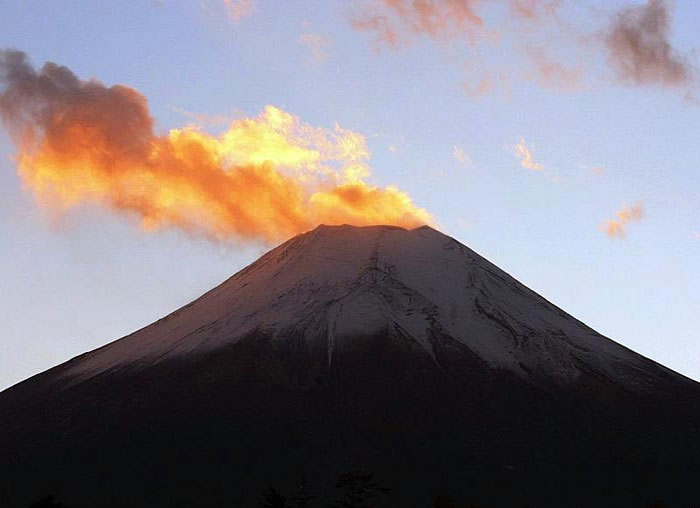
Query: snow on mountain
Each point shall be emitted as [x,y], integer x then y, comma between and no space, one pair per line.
[339,282]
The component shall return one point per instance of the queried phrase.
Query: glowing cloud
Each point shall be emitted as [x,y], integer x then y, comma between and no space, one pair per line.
[617,228]
[268,177]
[527,160]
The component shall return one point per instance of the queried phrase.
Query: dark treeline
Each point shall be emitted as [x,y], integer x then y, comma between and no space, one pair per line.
[355,490]
[48,502]
[360,490]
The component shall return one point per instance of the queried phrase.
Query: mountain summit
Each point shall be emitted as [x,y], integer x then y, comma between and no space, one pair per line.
[328,288]
[399,352]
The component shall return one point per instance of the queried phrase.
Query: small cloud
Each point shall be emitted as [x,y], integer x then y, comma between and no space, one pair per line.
[384,29]
[533,10]
[239,9]
[318,45]
[204,119]
[525,155]
[640,50]
[485,85]
[491,81]
[392,148]
[617,227]
[552,74]
[461,156]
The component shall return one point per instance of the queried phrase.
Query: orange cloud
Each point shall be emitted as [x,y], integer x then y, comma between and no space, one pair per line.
[268,177]
[527,160]
[617,228]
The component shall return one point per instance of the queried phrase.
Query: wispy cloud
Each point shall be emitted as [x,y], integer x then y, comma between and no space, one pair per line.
[239,9]
[205,119]
[486,84]
[534,9]
[636,39]
[461,156]
[396,23]
[640,50]
[552,74]
[617,227]
[525,155]
[319,46]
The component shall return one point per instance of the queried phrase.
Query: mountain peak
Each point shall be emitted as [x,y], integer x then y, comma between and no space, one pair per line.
[333,284]
[359,229]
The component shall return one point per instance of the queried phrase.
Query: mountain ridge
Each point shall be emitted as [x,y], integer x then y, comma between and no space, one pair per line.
[355,275]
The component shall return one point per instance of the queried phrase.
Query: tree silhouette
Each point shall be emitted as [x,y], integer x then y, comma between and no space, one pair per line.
[47,502]
[303,497]
[360,488]
[273,499]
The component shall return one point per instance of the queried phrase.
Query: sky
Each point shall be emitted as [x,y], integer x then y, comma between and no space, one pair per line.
[170,143]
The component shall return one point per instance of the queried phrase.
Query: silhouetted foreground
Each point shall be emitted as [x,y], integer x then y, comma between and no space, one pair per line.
[357,490]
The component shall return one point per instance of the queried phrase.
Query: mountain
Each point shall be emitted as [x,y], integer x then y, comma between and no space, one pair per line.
[402,353]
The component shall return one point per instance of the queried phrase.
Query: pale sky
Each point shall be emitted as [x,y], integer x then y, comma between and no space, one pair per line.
[557,139]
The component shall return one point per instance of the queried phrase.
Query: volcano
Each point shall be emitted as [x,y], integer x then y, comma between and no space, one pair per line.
[398,352]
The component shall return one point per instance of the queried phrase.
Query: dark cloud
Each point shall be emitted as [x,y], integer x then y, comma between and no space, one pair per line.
[640,51]
[54,105]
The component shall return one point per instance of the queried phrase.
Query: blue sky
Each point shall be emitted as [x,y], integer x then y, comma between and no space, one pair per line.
[605,140]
